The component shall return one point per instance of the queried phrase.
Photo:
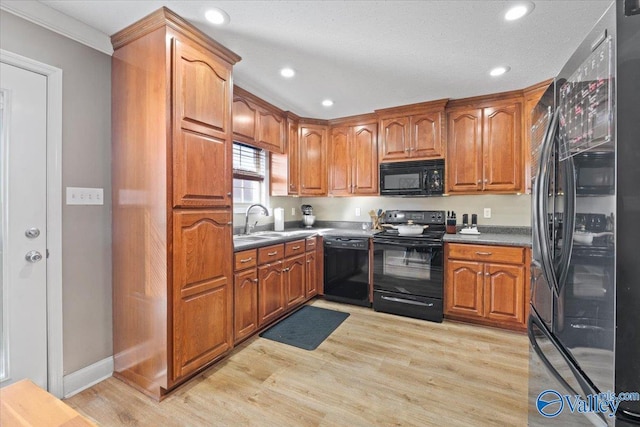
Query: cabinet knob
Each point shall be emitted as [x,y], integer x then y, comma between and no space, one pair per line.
[255,280]
[487,274]
[486,180]
[479,181]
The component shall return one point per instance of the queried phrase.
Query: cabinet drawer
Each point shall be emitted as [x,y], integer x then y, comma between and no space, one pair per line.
[245,259]
[294,248]
[311,243]
[270,253]
[508,254]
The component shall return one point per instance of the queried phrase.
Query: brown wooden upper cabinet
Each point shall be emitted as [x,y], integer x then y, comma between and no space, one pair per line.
[353,157]
[532,95]
[484,144]
[285,168]
[412,132]
[256,122]
[312,151]
[201,133]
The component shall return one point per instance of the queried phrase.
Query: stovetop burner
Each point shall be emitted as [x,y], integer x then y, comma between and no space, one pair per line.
[434,219]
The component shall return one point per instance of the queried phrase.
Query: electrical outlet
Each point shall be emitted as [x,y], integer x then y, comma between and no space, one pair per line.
[85,196]
[487,212]
[293,211]
[357,211]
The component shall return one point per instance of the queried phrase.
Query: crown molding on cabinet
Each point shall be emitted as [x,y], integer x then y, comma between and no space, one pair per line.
[60,23]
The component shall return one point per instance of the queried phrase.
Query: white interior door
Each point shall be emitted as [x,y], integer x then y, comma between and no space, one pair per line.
[23,237]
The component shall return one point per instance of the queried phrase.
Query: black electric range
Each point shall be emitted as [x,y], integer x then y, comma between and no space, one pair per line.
[408,277]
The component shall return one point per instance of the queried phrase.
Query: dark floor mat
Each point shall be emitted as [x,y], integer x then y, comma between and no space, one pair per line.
[306,328]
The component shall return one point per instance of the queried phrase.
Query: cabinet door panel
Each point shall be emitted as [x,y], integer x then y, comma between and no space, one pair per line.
[312,274]
[464,151]
[201,170]
[463,290]
[313,160]
[365,159]
[271,295]
[201,97]
[426,136]
[294,279]
[244,120]
[293,157]
[502,148]
[271,131]
[339,162]
[504,292]
[245,299]
[202,289]
[394,142]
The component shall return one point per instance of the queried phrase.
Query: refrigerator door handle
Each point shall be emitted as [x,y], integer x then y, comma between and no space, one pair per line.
[540,211]
[568,221]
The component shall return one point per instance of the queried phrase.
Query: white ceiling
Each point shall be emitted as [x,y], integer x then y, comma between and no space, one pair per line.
[367,55]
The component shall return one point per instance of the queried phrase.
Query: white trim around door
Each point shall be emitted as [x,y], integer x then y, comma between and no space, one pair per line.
[54,213]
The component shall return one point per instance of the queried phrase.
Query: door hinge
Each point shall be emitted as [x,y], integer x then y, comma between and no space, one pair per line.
[47,253]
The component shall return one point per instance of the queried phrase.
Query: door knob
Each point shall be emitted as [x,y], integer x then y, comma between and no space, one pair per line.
[32,233]
[33,256]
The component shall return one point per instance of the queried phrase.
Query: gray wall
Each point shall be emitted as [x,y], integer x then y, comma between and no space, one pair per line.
[86,162]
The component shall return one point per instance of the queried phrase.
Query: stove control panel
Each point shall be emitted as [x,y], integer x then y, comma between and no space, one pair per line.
[417,217]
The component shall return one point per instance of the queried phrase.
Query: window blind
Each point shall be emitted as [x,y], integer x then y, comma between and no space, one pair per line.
[248,162]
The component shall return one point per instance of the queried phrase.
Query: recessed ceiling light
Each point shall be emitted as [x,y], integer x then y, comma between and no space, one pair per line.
[217,16]
[498,71]
[519,10]
[287,72]
[327,103]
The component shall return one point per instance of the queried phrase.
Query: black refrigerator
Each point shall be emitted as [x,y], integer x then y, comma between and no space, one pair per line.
[584,323]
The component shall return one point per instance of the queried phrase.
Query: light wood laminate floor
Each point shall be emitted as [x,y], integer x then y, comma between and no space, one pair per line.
[374,370]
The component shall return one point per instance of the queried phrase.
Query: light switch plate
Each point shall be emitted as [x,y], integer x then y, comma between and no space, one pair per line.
[85,196]
[487,212]
[357,211]
[293,211]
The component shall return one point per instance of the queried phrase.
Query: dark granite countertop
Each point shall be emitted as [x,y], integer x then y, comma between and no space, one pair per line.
[494,235]
[489,235]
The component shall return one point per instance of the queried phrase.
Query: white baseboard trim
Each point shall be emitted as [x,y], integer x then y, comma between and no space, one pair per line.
[86,377]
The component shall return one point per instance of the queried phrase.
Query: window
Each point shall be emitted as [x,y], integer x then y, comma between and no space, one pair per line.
[249,176]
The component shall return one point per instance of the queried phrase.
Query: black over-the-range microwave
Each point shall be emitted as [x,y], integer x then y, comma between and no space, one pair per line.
[419,178]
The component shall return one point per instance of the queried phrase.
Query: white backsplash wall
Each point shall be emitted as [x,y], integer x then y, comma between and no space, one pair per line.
[509,210]
[274,202]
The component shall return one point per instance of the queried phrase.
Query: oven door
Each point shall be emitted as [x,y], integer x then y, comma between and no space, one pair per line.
[413,268]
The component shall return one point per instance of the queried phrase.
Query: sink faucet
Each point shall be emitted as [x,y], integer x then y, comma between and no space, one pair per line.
[247,227]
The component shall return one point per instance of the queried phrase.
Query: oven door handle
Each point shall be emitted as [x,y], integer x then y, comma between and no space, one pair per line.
[407,301]
[406,244]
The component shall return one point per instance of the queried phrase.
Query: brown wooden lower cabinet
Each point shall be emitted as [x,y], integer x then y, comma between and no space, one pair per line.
[245,303]
[271,295]
[271,281]
[203,292]
[312,274]
[486,284]
[294,279]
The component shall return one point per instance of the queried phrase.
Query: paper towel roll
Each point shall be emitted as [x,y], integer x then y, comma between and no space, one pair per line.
[278,216]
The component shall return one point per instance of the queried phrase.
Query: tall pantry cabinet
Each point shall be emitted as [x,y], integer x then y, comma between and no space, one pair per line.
[172,204]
